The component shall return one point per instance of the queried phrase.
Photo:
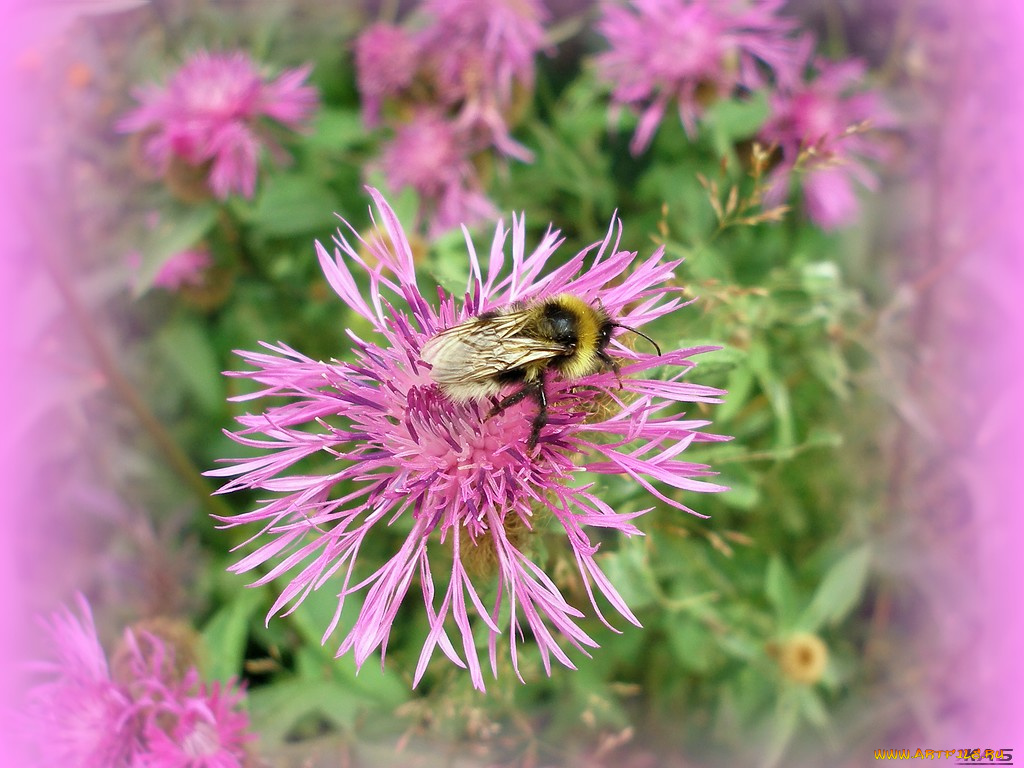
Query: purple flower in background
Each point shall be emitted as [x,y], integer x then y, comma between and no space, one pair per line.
[428,154]
[150,716]
[79,716]
[479,53]
[691,52]
[459,80]
[211,113]
[482,47]
[387,58]
[460,484]
[819,128]
[195,726]
[185,268]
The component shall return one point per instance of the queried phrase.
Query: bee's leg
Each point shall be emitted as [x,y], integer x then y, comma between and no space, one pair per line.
[507,402]
[536,388]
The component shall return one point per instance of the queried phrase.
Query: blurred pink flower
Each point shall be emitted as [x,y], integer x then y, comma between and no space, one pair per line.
[690,52]
[458,478]
[480,50]
[478,54]
[211,112]
[202,729]
[387,58]
[820,130]
[459,79]
[429,154]
[185,268]
[80,717]
[469,57]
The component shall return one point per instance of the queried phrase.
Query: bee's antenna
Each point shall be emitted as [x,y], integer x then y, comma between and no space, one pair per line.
[638,333]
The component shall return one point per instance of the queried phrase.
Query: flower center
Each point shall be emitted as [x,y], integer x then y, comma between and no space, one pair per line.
[202,741]
[456,454]
[694,50]
[463,434]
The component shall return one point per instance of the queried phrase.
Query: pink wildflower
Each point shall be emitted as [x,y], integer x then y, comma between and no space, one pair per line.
[462,481]
[386,61]
[483,47]
[150,717]
[464,65]
[478,53]
[195,726]
[428,155]
[79,717]
[211,112]
[691,52]
[819,128]
[185,268]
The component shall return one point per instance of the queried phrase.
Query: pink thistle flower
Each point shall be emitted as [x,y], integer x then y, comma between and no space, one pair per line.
[819,128]
[183,269]
[429,154]
[690,52]
[79,717]
[461,481]
[482,47]
[205,729]
[211,112]
[387,59]
[477,54]
[151,716]
[186,724]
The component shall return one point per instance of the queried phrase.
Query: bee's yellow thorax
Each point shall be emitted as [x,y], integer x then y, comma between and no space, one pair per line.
[588,326]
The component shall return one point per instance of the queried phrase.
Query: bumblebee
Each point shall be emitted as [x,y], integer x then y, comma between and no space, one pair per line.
[516,346]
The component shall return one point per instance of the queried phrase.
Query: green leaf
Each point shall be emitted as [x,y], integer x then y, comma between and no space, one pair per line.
[787,716]
[311,618]
[337,130]
[691,643]
[369,686]
[187,347]
[179,229]
[781,591]
[829,367]
[820,278]
[294,205]
[630,572]
[813,708]
[776,392]
[739,385]
[823,437]
[732,119]
[278,710]
[448,263]
[313,615]
[225,634]
[744,489]
[839,592]
[741,647]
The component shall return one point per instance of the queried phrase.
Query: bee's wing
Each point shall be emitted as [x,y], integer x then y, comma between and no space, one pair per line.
[480,349]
